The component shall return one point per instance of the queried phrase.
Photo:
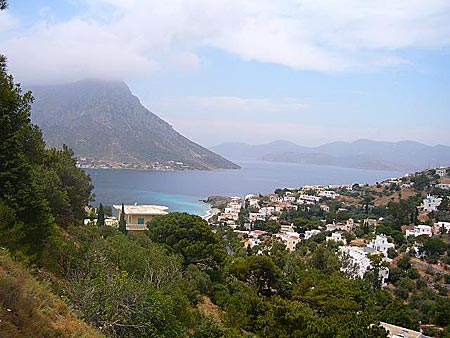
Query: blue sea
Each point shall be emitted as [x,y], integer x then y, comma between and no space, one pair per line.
[185,190]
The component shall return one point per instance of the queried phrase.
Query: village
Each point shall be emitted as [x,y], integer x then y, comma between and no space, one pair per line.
[354,218]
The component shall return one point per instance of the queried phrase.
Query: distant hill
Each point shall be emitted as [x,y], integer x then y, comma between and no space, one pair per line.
[364,154]
[104,121]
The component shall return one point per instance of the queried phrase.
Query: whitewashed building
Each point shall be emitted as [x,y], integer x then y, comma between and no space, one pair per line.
[309,198]
[256,216]
[420,230]
[431,203]
[381,244]
[329,194]
[310,233]
[289,198]
[441,172]
[442,225]
[268,211]
[362,262]
[336,237]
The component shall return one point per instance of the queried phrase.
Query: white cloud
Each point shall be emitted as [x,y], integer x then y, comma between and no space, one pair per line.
[7,22]
[134,38]
[231,106]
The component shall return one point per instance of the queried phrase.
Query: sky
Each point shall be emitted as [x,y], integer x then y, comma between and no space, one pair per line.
[254,71]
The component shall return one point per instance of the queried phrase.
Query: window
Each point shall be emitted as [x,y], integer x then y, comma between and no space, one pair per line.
[140,220]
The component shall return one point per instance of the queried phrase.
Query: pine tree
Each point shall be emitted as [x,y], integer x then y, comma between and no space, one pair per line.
[122,222]
[100,216]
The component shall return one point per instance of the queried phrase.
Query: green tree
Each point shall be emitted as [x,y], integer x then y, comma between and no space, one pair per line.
[100,216]
[122,222]
[373,272]
[434,246]
[442,311]
[21,172]
[259,271]
[272,227]
[108,210]
[190,236]
[70,189]
[404,263]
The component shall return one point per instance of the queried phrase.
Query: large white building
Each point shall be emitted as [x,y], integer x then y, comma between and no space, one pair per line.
[361,263]
[431,203]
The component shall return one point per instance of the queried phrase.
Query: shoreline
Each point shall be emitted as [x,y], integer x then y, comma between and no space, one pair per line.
[210,213]
[158,170]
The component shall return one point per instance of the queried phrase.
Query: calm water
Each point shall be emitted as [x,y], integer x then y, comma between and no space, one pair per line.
[182,191]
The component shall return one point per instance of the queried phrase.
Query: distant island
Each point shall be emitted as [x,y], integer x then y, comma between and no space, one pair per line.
[361,154]
[107,127]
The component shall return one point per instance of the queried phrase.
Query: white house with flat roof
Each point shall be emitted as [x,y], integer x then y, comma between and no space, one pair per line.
[137,216]
[336,237]
[420,230]
[329,194]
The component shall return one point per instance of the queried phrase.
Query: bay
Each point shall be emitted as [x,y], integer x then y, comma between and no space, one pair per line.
[184,190]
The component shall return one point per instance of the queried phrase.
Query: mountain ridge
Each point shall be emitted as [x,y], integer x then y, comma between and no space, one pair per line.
[102,121]
[403,155]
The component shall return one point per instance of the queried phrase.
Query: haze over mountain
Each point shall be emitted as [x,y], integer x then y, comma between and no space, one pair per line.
[104,121]
[363,154]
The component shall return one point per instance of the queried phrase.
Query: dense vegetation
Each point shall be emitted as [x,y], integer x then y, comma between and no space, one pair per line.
[39,188]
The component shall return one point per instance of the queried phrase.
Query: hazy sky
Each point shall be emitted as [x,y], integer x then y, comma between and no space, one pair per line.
[308,71]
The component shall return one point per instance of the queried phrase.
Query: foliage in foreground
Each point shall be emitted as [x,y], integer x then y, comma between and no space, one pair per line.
[29,308]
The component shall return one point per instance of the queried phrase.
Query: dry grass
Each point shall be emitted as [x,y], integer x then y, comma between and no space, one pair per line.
[209,309]
[395,197]
[28,308]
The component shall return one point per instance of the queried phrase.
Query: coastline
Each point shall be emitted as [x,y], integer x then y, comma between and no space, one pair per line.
[157,170]
[210,213]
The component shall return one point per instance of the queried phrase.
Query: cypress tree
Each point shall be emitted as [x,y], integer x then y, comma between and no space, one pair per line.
[100,216]
[122,222]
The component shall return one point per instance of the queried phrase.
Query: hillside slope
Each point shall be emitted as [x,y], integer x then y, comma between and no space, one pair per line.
[29,309]
[104,121]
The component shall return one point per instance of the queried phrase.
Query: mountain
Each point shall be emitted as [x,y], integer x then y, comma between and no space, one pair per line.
[244,151]
[363,154]
[102,121]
